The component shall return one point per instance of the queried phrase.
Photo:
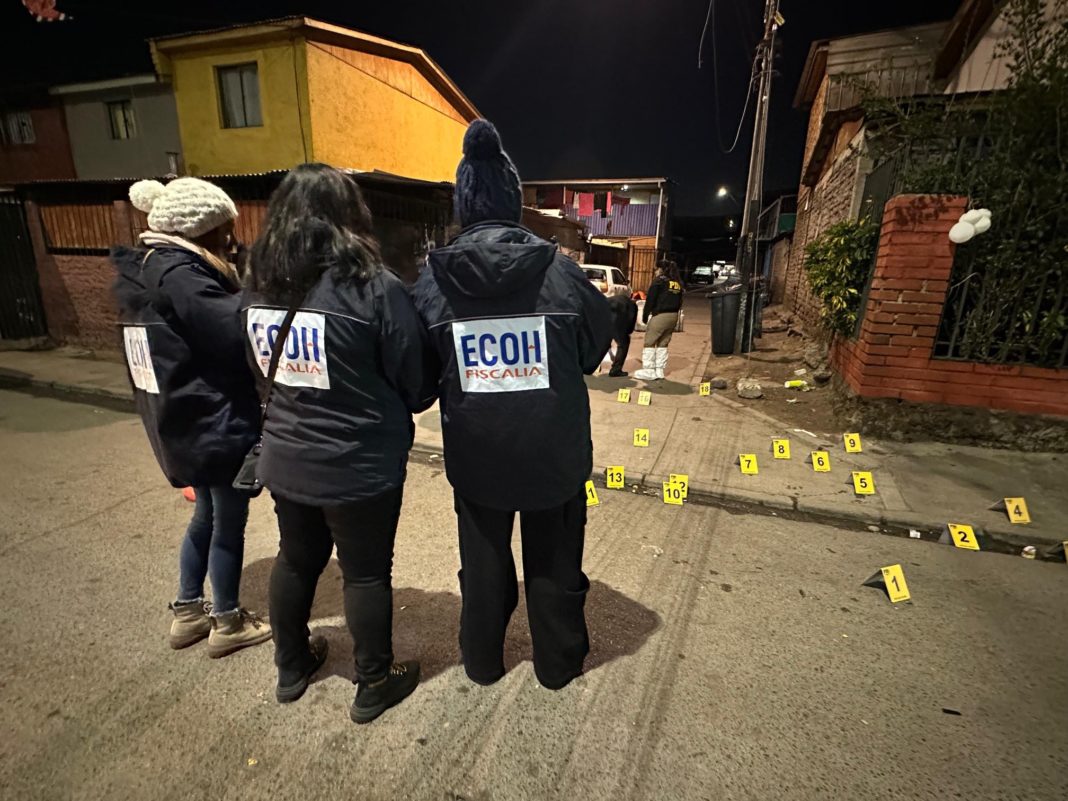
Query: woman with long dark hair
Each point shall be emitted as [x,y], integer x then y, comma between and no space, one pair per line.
[661,317]
[339,423]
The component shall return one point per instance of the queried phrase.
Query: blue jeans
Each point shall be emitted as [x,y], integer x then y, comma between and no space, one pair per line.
[214,547]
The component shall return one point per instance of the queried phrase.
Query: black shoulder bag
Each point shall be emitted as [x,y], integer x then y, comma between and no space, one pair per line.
[246,478]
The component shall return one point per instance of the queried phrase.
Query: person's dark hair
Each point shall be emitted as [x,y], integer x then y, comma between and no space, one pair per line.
[670,270]
[316,221]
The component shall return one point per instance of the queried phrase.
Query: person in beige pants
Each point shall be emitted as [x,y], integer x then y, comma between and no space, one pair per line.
[661,317]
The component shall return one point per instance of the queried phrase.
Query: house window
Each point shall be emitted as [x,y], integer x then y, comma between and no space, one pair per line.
[16,128]
[121,119]
[239,96]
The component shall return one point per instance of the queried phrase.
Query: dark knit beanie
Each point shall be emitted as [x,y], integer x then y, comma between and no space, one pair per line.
[487,184]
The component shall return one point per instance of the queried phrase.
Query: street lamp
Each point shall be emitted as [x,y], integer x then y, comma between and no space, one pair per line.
[722,192]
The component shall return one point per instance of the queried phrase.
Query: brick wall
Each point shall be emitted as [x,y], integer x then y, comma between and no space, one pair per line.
[891,357]
[76,290]
[780,258]
[834,198]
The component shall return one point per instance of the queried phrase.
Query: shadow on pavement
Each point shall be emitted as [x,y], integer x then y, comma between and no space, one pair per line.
[426,625]
[609,386]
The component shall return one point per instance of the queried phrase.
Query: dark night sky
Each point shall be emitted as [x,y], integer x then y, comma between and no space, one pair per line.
[578,88]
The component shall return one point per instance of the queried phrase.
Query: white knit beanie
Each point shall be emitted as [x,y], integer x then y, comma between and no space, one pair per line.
[188,207]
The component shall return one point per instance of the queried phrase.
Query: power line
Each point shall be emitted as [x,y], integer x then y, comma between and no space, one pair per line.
[741,120]
[710,16]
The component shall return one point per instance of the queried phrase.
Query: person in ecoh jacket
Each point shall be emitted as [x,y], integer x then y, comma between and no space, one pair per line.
[338,425]
[180,316]
[516,326]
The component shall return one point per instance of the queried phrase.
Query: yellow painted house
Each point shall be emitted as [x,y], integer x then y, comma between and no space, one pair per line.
[271,95]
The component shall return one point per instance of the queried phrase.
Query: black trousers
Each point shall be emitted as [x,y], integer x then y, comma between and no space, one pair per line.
[622,348]
[556,588]
[364,533]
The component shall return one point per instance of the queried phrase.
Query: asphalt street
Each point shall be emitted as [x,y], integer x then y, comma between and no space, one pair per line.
[735,656]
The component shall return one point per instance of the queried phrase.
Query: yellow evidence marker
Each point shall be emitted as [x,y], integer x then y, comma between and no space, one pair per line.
[821,461]
[748,463]
[623,396]
[591,495]
[896,587]
[683,480]
[645,398]
[963,536]
[863,483]
[641,438]
[705,389]
[613,477]
[672,493]
[1016,509]
[780,448]
[852,443]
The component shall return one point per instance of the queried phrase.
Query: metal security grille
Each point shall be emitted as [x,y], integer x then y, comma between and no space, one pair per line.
[21,313]
[1007,302]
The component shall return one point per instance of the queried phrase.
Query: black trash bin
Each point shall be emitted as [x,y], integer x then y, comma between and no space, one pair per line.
[725,306]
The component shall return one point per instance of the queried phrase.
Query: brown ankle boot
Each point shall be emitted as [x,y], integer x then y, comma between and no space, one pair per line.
[191,623]
[236,630]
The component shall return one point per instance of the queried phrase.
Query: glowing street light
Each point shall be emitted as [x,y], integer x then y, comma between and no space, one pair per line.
[722,192]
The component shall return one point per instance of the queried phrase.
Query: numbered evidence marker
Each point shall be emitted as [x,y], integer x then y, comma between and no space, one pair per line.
[863,483]
[591,495]
[645,398]
[1016,508]
[963,536]
[673,493]
[748,463]
[683,480]
[821,461]
[705,389]
[623,396]
[641,438]
[613,477]
[852,443]
[780,448]
[892,579]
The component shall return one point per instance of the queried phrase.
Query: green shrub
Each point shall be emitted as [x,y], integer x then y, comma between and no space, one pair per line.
[837,263]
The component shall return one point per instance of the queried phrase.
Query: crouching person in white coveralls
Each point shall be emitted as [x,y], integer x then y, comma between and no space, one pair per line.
[516,325]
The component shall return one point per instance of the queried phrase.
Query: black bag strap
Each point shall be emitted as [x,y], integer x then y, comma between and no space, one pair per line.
[276,356]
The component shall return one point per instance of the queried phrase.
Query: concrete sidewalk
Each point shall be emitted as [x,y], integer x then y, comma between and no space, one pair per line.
[918,485]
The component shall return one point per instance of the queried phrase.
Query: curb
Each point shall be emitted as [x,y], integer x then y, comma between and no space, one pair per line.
[97,396]
[816,510]
[700,494]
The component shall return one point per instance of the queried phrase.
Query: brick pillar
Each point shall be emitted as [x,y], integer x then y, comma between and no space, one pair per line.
[908,289]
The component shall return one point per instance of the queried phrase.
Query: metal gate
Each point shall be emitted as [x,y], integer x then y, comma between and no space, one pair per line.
[21,313]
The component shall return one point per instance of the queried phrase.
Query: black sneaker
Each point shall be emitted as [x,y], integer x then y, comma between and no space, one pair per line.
[374,699]
[290,689]
[618,374]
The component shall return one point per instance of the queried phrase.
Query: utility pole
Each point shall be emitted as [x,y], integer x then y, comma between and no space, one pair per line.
[747,241]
